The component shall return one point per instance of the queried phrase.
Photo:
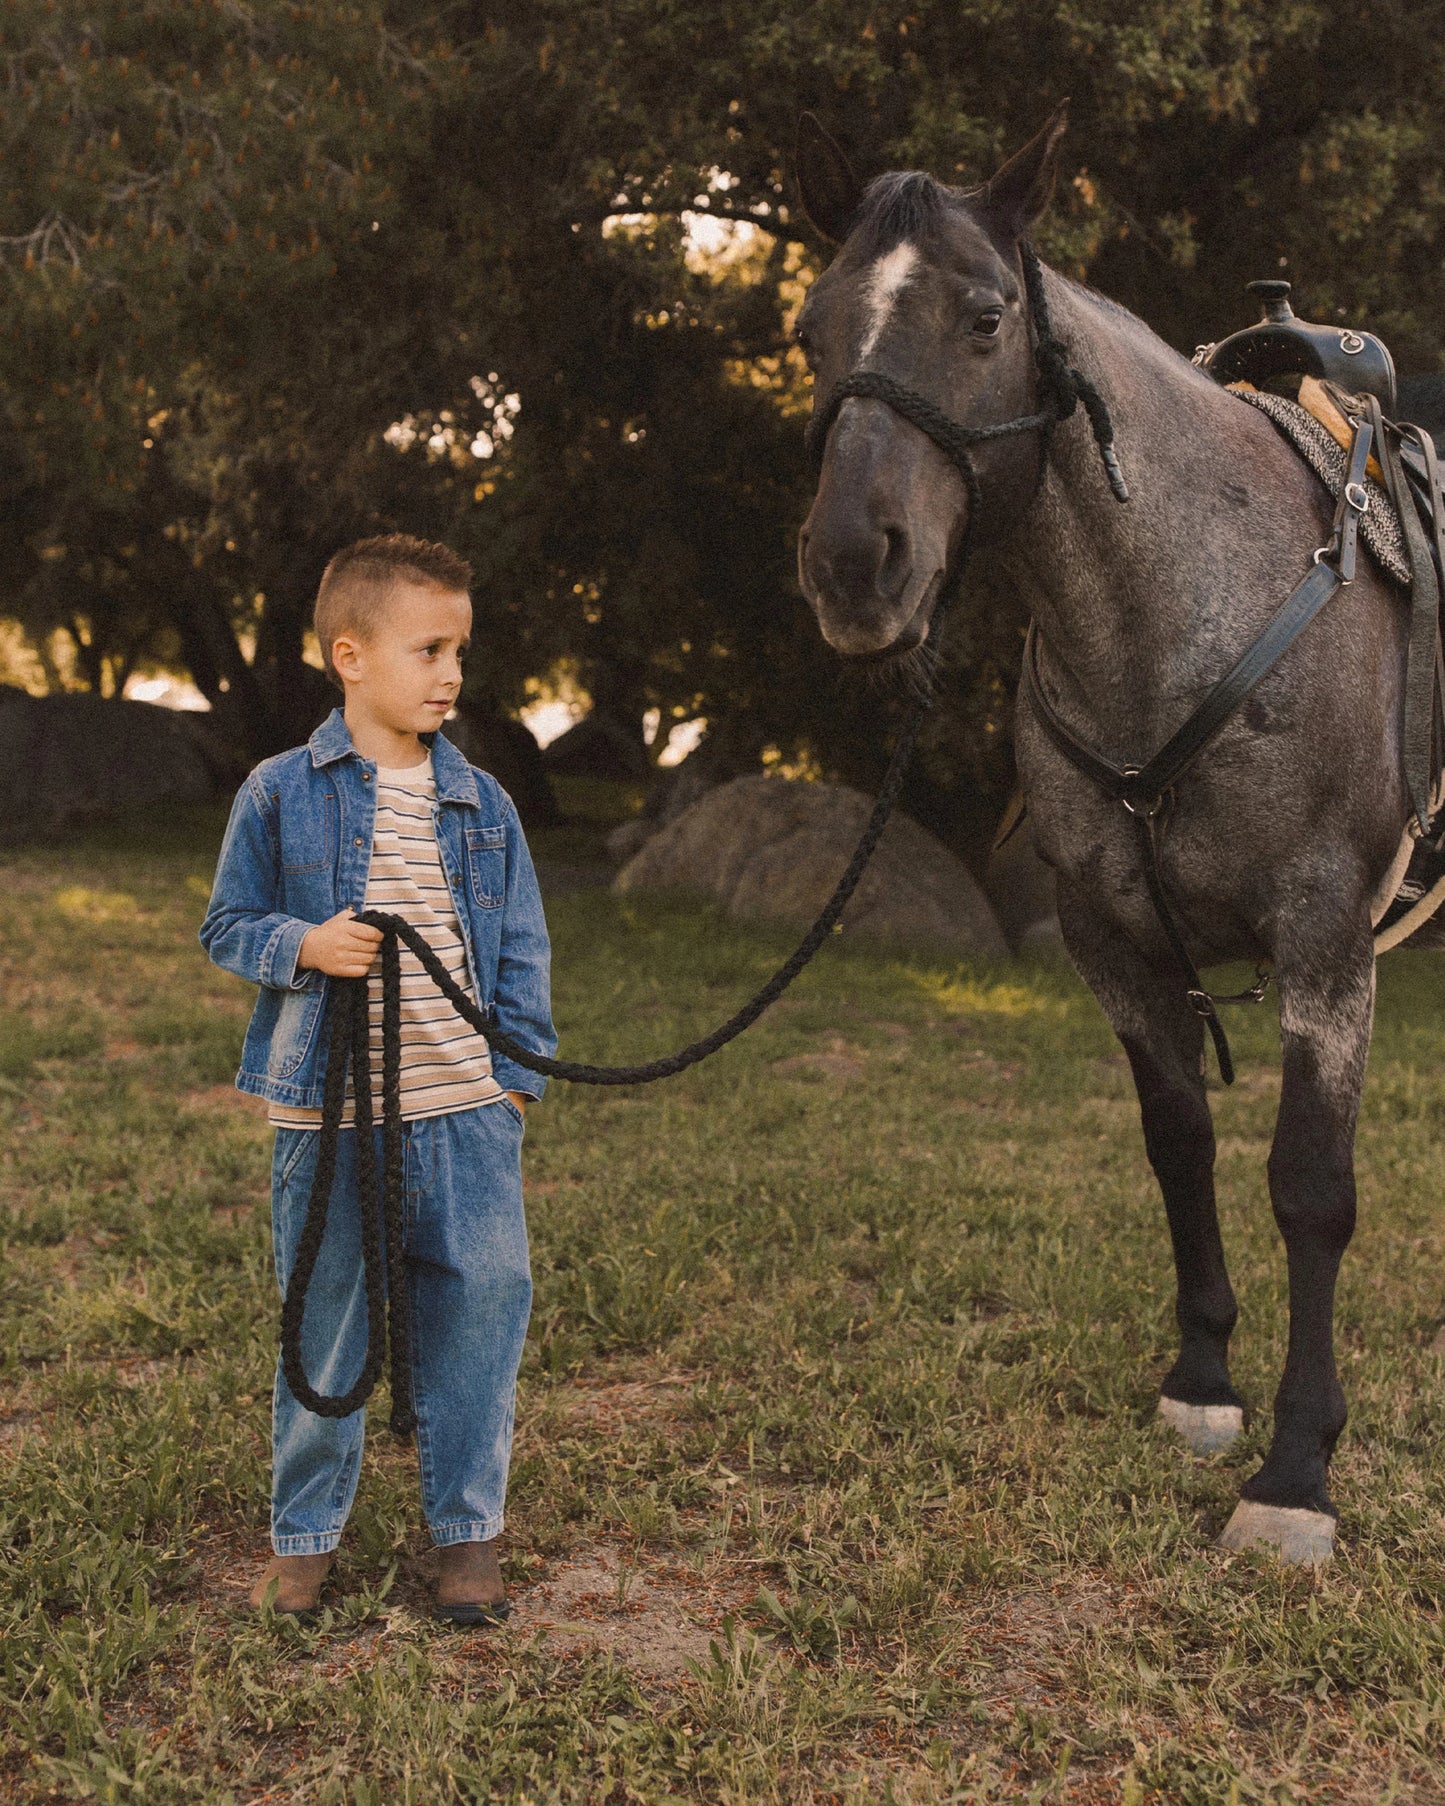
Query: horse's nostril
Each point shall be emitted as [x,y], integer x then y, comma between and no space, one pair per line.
[861,564]
[895,558]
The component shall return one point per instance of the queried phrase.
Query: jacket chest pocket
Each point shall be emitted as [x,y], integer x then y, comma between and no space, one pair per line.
[487,866]
[310,846]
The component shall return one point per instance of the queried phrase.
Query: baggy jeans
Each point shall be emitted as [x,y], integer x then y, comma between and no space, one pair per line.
[471,1296]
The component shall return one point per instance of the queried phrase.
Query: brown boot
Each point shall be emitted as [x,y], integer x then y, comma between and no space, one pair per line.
[298,1581]
[469,1584]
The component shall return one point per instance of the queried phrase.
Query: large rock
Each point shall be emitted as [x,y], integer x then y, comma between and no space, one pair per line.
[768,846]
[66,758]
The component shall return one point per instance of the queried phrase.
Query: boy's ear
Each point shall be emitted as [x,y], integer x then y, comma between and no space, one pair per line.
[1020,191]
[343,657]
[827,186]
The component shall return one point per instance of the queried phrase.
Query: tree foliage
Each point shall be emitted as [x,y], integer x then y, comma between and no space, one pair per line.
[278,274]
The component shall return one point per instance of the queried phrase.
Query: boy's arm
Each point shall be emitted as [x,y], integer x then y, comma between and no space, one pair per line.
[523,994]
[244,931]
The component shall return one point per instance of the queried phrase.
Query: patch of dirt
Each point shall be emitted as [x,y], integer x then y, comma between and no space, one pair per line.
[1246,1147]
[978,1059]
[15,1426]
[839,1059]
[131,1371]
[652,1614]
[223,1097]
[1258,1081]
[232,1214]
[1020,1637]
[611,1405]
[895,1031]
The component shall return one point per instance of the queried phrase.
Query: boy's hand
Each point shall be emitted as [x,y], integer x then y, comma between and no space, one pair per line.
[520,1099]
[342,947]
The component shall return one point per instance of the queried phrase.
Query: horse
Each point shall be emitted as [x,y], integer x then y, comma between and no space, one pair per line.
[1284,838]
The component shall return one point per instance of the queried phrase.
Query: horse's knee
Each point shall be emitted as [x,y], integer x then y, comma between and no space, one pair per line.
[1178,1132]
[1312,1186]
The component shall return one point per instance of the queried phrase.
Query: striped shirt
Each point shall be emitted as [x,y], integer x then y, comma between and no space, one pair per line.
[445,1063]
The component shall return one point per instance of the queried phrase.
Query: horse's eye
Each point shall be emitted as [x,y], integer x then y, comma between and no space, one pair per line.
[988,322]
[803,341]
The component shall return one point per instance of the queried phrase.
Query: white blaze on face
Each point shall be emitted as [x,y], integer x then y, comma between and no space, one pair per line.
[884,283]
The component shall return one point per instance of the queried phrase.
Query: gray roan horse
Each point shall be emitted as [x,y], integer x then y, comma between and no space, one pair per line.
[1281,835]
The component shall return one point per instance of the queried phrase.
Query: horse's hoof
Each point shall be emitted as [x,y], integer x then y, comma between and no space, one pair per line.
[1206,1428]
[1300,1538]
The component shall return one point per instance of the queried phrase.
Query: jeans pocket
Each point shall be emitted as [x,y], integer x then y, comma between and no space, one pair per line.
[289,1158]
[514,1113]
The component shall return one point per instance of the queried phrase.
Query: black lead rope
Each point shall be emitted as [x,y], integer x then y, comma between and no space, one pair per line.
[387,1299]
[381,1196]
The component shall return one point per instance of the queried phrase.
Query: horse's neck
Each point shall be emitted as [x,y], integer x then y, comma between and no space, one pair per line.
[1134,600]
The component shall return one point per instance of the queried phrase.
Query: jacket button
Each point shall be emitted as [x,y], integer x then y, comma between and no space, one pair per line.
[456,882]
[366,777]
[358,842]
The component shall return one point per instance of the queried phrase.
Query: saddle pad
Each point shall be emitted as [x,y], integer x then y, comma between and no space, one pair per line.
[1380,529]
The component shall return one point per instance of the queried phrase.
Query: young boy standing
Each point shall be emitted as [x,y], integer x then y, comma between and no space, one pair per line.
[379,811]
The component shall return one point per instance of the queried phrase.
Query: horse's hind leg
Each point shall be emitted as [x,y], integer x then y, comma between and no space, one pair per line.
[1326,1005]
[1164,1040]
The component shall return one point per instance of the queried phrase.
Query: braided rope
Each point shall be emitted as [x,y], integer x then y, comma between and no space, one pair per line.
[1065,388]
[387,1291]
[574,1071]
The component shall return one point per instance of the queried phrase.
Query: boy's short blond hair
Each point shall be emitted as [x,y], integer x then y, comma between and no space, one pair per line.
[362,578]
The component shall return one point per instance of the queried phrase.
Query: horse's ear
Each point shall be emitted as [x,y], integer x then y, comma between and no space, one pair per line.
[1020,191]
[830,191]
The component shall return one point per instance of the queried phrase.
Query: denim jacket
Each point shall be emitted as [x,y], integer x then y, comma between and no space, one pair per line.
[297,851]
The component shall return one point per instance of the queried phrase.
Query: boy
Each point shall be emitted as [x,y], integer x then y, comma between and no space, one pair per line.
[378,810]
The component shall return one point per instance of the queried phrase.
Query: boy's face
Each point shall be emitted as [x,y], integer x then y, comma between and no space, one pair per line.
[407,671]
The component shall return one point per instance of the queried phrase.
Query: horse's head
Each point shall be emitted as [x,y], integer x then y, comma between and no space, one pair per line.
[927,288]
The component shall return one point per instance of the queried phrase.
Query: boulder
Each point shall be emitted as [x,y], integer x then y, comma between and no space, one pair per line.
[771,846]
[509,751]
[1021,889]
[77,756]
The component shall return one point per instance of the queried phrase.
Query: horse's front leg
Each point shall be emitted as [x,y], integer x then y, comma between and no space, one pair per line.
[1164,1041]
[1327,996]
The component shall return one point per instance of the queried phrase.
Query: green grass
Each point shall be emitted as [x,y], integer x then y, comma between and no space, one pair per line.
[844,1360]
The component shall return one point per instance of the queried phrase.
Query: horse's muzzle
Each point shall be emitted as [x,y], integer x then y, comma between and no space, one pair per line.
[875,636]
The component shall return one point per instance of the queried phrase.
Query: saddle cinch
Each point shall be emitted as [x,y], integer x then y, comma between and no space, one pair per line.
[1339,376]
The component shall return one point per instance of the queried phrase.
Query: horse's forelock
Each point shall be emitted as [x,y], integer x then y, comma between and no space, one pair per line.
[906,206]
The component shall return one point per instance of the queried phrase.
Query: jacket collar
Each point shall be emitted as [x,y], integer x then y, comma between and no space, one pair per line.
[455,784]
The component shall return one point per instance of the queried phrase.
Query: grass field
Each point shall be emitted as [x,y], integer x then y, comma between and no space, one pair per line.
[836,1477]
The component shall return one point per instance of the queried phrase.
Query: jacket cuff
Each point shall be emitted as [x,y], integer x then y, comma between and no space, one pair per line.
[278,958]
[512,1077]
